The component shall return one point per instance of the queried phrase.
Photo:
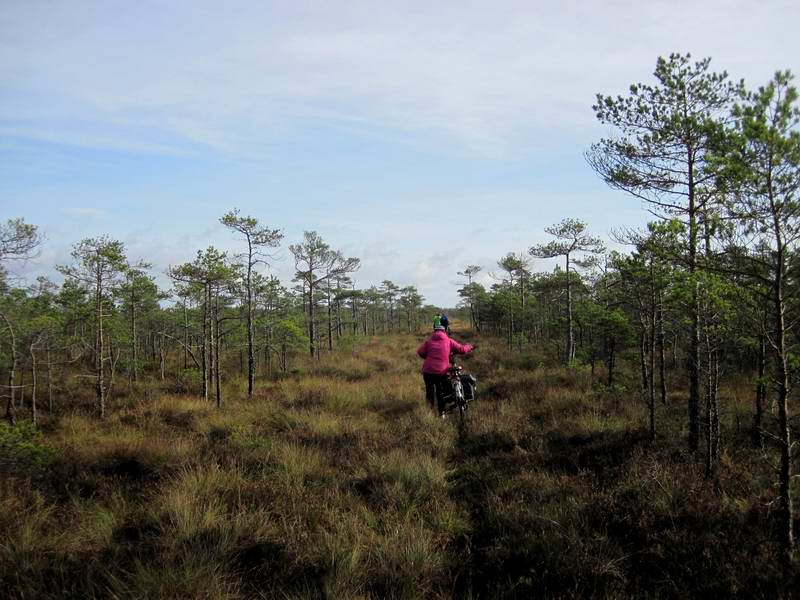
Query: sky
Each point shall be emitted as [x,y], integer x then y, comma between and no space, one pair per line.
[420,137]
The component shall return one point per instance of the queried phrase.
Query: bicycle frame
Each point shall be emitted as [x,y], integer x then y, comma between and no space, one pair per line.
[456,397]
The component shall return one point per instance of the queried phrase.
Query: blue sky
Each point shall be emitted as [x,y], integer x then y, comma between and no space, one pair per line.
[419,138]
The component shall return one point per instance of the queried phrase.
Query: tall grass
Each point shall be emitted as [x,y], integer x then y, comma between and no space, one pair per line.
[341,484]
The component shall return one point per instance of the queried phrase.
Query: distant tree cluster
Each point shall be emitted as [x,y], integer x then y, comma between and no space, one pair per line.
[109,323]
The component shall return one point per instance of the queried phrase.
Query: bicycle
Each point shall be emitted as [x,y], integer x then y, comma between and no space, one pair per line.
[459,397]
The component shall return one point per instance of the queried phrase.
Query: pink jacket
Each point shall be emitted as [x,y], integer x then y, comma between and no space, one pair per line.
[436,351]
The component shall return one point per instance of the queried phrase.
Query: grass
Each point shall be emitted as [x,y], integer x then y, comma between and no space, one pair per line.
[340,484]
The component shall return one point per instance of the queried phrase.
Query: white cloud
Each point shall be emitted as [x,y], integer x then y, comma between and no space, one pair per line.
[82,211]
[485,78]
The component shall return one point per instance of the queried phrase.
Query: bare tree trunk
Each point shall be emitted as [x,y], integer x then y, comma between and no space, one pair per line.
[269,349]
[643,358]
[694,346]
[354,306]
[674,352]
[330,318]
[185,336]
[206,350]
[216,342]
[651,387]
[610,364]
[21,402]
[49,382]
[647,376]
[716,440]
[251,361]
[134,341]
[662,374]
[162,356]
[10,415]
[99,348]
[522,309]
[785,515]
[757,433]
[33,384]
[570,354]
[339,310]
[709,392]
[114,359]
[311,329]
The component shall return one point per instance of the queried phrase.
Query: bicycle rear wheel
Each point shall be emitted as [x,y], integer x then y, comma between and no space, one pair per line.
[461,405]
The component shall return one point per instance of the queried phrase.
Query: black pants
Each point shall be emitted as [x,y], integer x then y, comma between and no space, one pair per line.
[435,388]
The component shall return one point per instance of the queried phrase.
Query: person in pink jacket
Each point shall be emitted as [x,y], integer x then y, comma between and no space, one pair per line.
[436,351]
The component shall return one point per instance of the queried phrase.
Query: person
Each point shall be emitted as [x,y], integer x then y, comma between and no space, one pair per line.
[436,351]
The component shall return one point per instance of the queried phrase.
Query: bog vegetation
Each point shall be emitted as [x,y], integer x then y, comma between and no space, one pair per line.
[239,436]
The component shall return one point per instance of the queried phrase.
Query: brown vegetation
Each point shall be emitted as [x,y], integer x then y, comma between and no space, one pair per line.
[340,484]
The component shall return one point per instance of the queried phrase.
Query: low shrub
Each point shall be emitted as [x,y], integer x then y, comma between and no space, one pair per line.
[23,449]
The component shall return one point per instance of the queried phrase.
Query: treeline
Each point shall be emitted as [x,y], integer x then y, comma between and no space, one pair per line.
[109,324]
[710,289]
